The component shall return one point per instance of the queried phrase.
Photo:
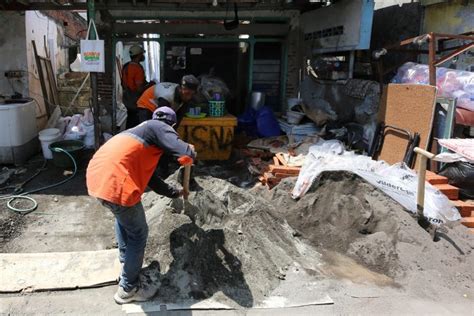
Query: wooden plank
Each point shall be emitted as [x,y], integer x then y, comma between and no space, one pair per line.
[54,96]
[57,270]
[281,159]
[41,75]
[409,107]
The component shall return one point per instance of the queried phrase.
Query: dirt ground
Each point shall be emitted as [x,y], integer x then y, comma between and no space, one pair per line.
[344,239]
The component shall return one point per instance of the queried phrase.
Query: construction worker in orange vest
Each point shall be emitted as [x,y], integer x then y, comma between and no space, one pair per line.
[118,175]
[167,94]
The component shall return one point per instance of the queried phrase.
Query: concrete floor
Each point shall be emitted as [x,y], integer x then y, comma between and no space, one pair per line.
[99,301]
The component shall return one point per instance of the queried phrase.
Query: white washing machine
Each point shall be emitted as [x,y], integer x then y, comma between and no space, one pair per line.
[18,131]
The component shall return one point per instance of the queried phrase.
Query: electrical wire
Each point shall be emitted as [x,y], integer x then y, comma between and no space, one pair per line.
[24,196]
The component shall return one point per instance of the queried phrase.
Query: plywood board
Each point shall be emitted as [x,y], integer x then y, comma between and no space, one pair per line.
[409,107]
[57,270]
[211,304]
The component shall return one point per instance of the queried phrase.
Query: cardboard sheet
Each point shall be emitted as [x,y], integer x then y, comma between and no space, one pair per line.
[409,107]
[57,270]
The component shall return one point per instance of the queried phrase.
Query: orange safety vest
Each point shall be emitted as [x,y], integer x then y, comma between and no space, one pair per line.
[120,170]
[144,101]
[131,74]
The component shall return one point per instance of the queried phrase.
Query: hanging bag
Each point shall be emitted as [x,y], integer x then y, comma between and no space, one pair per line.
[92,52]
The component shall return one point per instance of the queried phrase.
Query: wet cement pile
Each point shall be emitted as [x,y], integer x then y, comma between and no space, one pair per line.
[244,242]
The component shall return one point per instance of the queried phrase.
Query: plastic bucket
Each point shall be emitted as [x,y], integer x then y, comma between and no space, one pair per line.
[293,117]
[74,147]
[47,137]
[292,102]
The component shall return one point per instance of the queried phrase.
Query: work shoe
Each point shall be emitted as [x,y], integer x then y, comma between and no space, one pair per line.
[138,294]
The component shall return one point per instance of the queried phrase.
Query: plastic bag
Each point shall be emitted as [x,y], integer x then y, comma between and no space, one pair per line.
[461,175]
[211,85]
[397,181]
[450,82]
[74,130]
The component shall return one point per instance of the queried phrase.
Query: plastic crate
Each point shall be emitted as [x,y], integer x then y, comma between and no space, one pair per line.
[212,137]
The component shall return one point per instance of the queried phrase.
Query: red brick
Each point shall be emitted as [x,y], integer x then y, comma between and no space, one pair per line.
[468,222]
[465,209]
[286,170]
[450,191]
[434,178]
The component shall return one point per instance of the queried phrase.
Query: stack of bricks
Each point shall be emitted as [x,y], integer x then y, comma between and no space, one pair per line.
[270,168]
[466,209]
[277,171]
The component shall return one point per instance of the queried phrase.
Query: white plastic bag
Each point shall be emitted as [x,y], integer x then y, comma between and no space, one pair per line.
[87,122]
[92,53]
[75,130]
[397,181]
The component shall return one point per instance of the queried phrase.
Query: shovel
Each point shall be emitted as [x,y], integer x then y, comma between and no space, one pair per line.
[420,196]
[188,208]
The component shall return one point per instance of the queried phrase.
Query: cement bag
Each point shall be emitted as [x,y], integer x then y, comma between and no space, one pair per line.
[397,181]
[92,53]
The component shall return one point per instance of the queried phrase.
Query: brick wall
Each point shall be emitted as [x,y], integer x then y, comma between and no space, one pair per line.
[75,27]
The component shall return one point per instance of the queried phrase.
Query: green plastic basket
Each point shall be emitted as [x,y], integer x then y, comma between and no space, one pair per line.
[216,108]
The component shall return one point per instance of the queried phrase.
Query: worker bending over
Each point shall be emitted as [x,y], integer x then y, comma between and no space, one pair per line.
[167,94]
[118,175]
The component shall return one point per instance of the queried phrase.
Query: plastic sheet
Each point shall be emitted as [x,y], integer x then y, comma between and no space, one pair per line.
[450,82]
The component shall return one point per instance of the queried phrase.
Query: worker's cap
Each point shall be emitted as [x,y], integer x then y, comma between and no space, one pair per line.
[190,82]
[135,50]
[165,114]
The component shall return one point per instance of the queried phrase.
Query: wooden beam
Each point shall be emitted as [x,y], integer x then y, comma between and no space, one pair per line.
[431,59]
[453,36]
[17,6]
[190,28]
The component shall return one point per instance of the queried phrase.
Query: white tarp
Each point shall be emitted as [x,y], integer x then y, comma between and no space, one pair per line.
[397,181]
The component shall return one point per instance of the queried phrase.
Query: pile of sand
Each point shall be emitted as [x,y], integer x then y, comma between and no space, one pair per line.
[243,242]
[236,249]
[344,214]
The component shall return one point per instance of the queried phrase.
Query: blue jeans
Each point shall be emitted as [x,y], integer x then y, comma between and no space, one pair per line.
[131,231]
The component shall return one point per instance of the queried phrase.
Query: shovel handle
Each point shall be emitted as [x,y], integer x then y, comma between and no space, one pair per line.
[187,176]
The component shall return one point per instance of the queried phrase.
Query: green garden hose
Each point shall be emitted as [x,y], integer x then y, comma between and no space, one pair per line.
[24,196]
